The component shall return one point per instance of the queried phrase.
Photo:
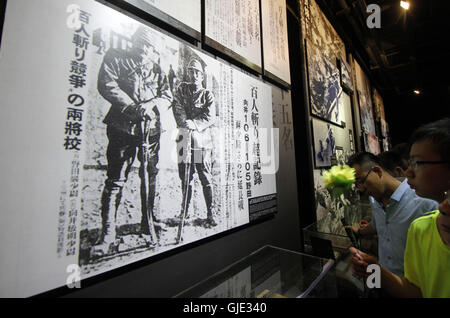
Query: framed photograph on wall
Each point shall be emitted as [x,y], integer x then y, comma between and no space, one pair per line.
[364,96]
[346,76]
[340,155]
[352,143]
[103,207]
[275,41]
[233,28]
[324,143]
[324,86]
[184,15]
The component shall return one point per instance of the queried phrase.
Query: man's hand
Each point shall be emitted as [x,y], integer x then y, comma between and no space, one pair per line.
[363,223]
[360,261]
[354,228]
[190,125]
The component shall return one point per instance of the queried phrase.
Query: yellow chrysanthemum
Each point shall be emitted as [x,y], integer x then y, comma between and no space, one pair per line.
[339,178]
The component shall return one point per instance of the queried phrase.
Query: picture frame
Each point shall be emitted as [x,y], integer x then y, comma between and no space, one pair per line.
[324,143]
[352,142]
[346,76]
[174,14]
[324,86]
[226,25]
[87,219]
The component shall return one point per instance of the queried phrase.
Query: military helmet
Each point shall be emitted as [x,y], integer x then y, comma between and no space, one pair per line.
[196,65]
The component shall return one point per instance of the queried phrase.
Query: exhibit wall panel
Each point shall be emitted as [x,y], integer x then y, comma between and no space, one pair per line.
[169,276]
[381,123]
[185,15]
[330,106]
[318,29]
[71,84]
[234,28]
[364,96]
[275,40]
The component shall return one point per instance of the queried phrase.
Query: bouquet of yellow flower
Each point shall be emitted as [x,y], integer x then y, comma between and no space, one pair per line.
[339,179]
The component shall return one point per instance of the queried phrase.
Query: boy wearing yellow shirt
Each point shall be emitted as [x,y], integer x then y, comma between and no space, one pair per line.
[427,254]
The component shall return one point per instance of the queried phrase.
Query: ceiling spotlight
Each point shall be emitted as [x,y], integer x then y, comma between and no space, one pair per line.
[404,4]
[417,92]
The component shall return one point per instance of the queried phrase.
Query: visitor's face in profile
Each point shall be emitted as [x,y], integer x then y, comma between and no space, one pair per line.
[366,182]
[429,180]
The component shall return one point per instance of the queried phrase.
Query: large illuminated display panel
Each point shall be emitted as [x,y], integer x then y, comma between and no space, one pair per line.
[53,125]
[275,39]
[233,27]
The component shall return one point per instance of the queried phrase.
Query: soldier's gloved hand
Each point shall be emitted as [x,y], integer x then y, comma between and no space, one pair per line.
[147,110]
[190,125]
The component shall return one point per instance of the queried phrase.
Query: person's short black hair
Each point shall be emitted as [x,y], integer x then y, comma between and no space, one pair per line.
[364,159]
[402,150]
[438,133]
[389,160]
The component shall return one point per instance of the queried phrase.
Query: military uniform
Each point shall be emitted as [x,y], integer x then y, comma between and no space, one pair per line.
[197,105]
[127,81]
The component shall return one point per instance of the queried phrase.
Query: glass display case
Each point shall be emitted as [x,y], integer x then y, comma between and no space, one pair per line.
[331,227]
[270,272]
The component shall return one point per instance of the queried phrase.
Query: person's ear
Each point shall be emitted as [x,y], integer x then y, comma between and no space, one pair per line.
[378,170]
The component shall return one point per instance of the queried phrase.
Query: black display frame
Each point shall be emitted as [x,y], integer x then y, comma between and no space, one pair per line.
[166,18]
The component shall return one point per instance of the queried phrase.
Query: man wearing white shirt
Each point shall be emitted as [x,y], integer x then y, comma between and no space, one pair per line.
[395,205]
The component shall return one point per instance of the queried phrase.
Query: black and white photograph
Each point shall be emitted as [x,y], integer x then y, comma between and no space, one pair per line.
[324,86]
[352,144]
[340,156]
[319,30]
[234,26]
[380,114]
[365,101]
[185,15]
[275,39]
[158,144]
[346,76]
[324,143]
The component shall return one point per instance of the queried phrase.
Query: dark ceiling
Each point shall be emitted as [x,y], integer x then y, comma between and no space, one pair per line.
[410,51]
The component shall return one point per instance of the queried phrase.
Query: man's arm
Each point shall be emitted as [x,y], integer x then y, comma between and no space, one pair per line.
[207,116]
[368,230]
[108,86]
[179,112]
[164,96]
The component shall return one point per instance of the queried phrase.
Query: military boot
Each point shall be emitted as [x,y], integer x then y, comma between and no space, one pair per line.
[207,192]
[107,242]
